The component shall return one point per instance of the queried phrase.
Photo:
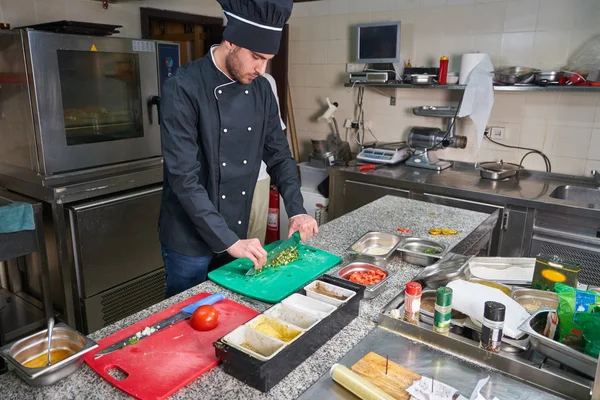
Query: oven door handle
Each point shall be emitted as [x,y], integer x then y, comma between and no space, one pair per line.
[153,100]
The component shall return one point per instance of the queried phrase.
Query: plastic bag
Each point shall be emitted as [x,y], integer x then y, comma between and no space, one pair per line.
[585,58]
[590,326]
[571,303]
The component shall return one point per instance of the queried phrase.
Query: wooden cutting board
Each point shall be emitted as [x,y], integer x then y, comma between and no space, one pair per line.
[395,383]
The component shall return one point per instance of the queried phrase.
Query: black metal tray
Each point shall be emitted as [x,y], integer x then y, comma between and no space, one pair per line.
[76,28]
[263,375]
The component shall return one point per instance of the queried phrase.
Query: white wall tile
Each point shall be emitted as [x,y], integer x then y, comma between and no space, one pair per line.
[521,15]
[318,8]
[567,141]
[298,52]
[490,1]
[597,119]
[339,27]
[382,5]
[297,75]
[339,7]
[577,109]
[541,108]
[533,162]
[382,16]
[512,135]
[460,2]
[407,4]
[594,152]
[299,29]
[550,49]
[427,49]
[458,20]
[568,165]
[586,13]
[359,6]
[508,107]
[317,76]
[533,136]
[18,12]
[319,28]
[317,52]
[556,15]
[48,11]
[517,48]
[299,99]
[431,3]
[338,51]
[490,43]
[301,10]
[489,18]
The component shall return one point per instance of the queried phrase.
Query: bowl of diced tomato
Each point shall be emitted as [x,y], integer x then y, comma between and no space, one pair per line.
[370,275]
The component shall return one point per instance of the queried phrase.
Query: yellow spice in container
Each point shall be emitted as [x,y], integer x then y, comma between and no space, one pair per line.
[272,328]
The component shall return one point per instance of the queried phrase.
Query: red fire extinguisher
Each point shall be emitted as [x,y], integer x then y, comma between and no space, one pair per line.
[273,218]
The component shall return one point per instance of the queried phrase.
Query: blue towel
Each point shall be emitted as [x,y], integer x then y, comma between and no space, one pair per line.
[16,217]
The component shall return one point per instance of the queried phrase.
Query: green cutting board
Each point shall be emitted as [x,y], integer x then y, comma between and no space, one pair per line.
[274,284]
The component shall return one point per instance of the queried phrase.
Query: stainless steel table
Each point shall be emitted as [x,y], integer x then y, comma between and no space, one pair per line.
[429,362]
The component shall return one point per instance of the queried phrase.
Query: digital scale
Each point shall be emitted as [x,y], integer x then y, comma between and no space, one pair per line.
[390,153]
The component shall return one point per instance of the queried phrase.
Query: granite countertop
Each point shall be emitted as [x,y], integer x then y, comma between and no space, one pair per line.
[384,215]
[528,189]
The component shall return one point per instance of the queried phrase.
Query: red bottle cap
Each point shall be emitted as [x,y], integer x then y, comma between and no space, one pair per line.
[413,288]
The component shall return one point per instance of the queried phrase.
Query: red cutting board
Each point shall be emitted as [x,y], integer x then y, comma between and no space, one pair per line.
[166,361]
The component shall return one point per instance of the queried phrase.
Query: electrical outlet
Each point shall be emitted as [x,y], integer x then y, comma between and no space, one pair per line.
[497,132]
[348,123]
[368,124]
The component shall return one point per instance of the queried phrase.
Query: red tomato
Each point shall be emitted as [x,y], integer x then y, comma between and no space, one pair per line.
[367,277]
[205,318]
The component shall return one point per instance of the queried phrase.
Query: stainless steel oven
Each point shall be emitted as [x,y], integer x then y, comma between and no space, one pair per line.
[70,102]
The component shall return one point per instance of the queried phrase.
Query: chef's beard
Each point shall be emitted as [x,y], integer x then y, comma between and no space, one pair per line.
[235,68]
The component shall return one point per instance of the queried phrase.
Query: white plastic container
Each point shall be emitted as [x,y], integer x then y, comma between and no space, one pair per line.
[310,292]
[311,176]
[311,306]
[266,346]
[288,332]
[300,319]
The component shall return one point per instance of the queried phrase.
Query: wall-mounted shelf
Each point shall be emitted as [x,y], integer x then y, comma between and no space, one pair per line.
[515,88]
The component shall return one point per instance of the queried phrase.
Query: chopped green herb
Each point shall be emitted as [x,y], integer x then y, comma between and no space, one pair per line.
[431,251]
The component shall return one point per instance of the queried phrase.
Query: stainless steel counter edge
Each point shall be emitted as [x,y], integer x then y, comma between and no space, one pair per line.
[529,189]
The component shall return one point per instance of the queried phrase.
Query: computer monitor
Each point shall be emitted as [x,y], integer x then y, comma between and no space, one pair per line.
[378,43]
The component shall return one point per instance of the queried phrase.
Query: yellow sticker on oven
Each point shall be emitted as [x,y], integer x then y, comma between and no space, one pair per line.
[93,48]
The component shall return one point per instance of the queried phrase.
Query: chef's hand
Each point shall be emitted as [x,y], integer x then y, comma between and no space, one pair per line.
[249,248]
[305,224]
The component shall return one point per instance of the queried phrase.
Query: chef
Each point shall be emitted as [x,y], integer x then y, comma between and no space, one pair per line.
[219,119]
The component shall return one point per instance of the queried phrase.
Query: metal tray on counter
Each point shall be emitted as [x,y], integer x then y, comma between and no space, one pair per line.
[556,350]
[376,245]
[359,265]
[413,251]
[509,271]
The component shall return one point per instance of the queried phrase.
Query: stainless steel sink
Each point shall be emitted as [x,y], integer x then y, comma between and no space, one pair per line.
[577,194]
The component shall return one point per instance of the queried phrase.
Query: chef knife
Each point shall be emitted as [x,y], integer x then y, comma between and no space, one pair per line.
[185,312]
[292,241]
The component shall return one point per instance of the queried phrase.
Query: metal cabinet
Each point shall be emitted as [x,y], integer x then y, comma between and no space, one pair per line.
[117,256]
[515,232]
[571,237]
[357,194]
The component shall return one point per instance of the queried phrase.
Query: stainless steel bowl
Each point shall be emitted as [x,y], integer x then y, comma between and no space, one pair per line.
[422,79]
[547,77]
[364,266]
[514,75]
[375,245]
[413,251]
[64,338]
[498,170]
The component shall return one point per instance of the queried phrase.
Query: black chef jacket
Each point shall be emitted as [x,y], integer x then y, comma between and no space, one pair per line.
[214,134]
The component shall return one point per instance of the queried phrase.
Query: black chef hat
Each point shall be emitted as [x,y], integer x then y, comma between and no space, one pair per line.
[256,24]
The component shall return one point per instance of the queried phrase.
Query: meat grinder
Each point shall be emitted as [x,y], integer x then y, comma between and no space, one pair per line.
[424,141]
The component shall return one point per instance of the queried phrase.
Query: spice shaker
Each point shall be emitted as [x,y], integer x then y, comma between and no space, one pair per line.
[443,75]
[443,310]
[412,302]
[492,324]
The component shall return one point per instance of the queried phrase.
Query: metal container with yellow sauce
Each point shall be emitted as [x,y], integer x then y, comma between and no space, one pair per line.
[552,269]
